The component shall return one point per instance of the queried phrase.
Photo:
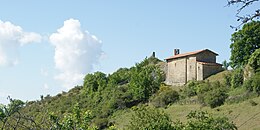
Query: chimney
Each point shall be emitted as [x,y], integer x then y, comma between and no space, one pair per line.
[153,55]
[176,52]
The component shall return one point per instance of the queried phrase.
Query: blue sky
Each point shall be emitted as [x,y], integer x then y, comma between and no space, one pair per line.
[105,35]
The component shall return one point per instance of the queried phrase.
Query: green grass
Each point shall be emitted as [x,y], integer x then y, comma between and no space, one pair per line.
[244,115]
[219,76]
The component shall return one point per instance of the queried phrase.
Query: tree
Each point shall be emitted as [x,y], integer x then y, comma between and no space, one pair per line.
[145,81]
[244,43]
[12,118]
[225,65]
[242,5]
[95,82]
[78,120]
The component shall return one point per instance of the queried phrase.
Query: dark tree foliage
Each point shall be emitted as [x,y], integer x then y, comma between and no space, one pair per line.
[242,5]
[244,43]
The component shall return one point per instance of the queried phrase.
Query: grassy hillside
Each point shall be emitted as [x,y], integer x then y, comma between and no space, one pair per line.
[102,94]
[111,98]
[244,114]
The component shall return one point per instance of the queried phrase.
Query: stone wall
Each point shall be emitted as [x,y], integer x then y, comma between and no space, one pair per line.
[191,68]
[206,56]
[199,71]
[209,70]
[177,72]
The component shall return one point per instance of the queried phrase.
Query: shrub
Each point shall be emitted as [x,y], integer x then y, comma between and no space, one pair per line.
[248,85]
[216,97]
[253,84]
[165,97]
[254,60]
[212,94]
[147,118]
[237,78]
[191,88]
[256,83]
[227,79]
[200,120]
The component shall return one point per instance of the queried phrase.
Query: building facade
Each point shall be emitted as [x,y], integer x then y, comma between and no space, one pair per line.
[196,65]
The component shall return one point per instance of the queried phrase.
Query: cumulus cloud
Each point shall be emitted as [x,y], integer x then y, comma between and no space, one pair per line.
[76,51]
[11,38]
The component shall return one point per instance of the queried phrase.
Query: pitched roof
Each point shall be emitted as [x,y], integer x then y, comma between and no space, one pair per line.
[189,53]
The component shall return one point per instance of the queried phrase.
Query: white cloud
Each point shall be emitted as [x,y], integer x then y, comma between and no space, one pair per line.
[76,51]
[11,38]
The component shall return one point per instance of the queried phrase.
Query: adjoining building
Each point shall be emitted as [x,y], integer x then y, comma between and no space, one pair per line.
[196,65]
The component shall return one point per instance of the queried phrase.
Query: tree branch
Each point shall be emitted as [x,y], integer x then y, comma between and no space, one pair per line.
[242,4]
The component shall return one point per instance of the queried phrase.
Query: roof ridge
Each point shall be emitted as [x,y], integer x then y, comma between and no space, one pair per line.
[189,53]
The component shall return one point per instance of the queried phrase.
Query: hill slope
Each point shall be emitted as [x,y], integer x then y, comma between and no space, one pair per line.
[110,98]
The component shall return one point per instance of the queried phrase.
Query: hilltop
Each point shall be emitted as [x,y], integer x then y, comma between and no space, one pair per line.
[109,99]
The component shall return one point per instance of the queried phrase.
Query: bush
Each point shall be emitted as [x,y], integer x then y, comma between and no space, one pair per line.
[200,120]
[254,60]
[147,118]
[216,97]
[165,97]
[248,85]
[212,94]
[256,83]
[237,78]
[227,79]
[191,88]
[253,84]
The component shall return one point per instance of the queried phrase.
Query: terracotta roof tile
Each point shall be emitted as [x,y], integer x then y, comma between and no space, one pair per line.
[188,54]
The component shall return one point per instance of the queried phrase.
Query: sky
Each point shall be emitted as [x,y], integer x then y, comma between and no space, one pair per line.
[47,47]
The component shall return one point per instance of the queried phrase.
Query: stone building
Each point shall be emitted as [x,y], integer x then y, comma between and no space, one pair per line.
[196,65]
